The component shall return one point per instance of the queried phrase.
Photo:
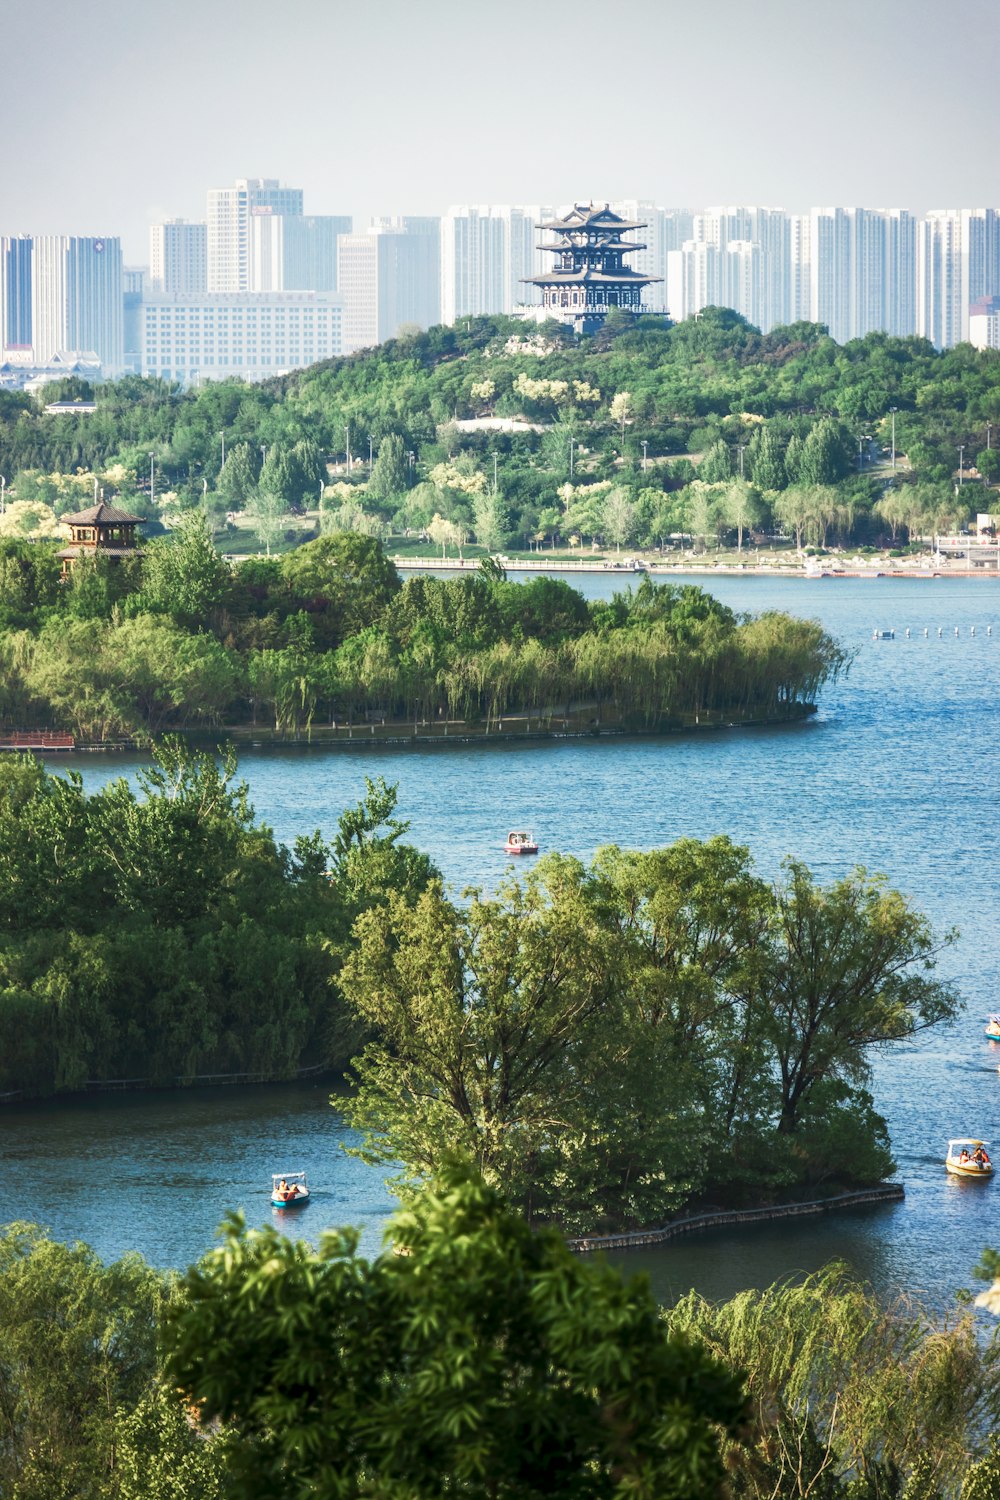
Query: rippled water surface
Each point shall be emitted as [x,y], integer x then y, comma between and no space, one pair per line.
[897,772]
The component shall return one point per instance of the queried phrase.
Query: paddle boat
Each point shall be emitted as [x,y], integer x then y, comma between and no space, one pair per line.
[968,1158]
[520,841]
[289,1189]
[993,1028]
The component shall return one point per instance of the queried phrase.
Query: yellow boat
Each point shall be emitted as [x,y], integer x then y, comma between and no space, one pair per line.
[968,1158]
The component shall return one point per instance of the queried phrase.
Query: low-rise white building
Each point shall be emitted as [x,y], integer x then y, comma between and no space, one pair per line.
[249,335]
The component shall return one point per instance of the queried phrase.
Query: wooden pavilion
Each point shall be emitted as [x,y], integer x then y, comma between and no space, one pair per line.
[101,531]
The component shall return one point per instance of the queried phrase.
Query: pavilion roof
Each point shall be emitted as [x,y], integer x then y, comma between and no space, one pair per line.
[589,216]
[561,248]
[101,515]
[84,551]
[591,274]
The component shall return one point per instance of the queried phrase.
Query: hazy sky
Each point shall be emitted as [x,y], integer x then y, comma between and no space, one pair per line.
[120,112]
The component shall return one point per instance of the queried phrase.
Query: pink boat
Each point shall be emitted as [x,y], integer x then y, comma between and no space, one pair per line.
[520,842]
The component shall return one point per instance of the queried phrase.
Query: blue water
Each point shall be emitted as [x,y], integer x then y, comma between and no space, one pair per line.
[897,772]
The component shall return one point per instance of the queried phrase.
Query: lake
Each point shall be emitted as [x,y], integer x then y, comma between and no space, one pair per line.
[896,772]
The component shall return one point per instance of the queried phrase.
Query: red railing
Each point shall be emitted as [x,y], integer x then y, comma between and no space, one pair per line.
[36,739]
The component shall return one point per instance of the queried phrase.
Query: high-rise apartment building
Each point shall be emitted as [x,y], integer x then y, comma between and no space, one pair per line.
[310,251]
[388,278]
[178,256]
[77,298]
[228,220]
[15,292]
[474,264]
[293,252]
[940,278]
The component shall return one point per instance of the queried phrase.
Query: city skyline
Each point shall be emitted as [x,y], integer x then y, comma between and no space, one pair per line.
[781,105]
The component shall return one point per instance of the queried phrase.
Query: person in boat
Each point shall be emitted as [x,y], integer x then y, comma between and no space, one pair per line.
[980,1157]
[963,1157]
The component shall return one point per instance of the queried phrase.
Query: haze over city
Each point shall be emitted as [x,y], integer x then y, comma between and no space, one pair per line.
[123,115]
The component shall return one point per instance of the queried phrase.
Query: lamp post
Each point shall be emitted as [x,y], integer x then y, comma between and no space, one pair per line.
[347,446]
[371,460]
[410,457]
[645,445]
[494,473]
[571,447]
[894,409]
[222,440]
[741,449]
[961,463]
[152,483]
[3,494]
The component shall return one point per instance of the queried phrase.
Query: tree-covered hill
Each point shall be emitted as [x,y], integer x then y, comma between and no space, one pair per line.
[784,429]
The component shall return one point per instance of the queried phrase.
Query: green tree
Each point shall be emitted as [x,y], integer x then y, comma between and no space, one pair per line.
[741,508]
[618,515]
[184,576]
[484,1360]
[851,1398]
[77,1348]
[492,522]
[824,457]
[388,477]
[850,971]
[267,513]
[717,465]
[767,466]
[238,480]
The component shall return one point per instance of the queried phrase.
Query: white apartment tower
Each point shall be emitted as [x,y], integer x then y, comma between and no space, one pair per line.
[940,278]
[178,256]
[77,298]
[387,278]
[228,217]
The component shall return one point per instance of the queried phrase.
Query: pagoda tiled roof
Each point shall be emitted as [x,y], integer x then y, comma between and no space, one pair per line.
[590,274]
[589,216]
[102,515]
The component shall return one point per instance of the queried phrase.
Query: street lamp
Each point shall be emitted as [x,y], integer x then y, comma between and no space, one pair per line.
[863,437]
[571,447]
[3,494]
[494,473]
[645,445]
[371,460]
[152,483]
[894,410]
[347,446]
[410,459]
[222,439]
[961,463]
[741,449]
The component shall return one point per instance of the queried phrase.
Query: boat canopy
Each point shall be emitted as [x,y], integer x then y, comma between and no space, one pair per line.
[966,1141]
[277,1177]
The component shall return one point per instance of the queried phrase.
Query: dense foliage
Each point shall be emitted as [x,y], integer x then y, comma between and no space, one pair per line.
[161,932]
[783,430]
[483,1360]
[608,1043]
[480,1360]
[329,634]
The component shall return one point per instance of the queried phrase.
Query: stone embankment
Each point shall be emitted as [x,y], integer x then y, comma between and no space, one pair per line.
[889,1192]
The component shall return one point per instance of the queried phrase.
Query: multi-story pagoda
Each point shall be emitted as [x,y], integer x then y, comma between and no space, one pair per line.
[590,274]
[101,531]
